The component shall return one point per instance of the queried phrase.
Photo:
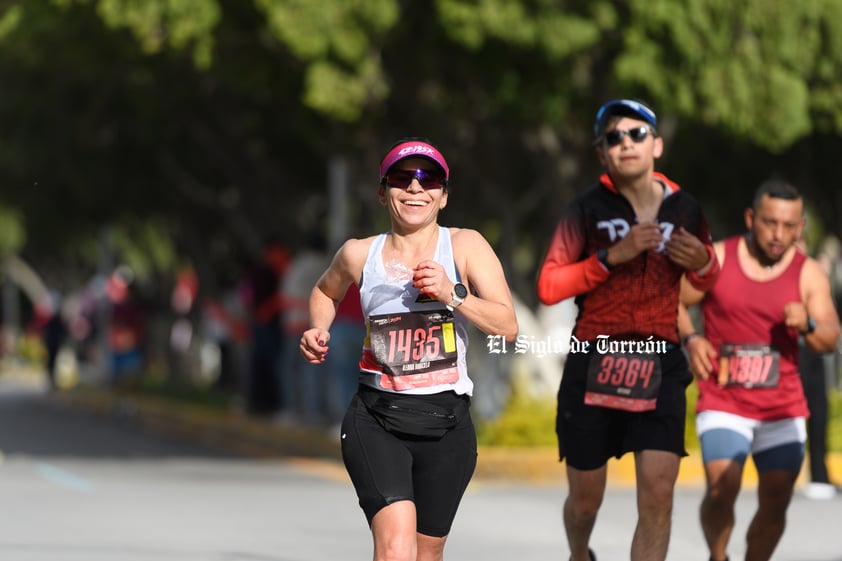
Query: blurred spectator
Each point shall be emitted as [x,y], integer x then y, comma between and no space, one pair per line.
[225,327]
[815,370]
[182,304]
[127,329]
[303,387]
[346,343]
[263,394]
[48,322]
[814,381]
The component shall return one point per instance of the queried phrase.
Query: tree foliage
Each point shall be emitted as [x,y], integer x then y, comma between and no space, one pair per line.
[763,71]
[214,120]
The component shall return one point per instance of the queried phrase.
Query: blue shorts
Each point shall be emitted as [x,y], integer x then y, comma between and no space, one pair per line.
[773,445]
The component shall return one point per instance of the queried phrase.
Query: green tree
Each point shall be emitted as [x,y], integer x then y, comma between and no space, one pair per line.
[216,118]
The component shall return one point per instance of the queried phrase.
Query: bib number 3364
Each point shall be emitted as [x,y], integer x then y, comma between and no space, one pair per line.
[627,381]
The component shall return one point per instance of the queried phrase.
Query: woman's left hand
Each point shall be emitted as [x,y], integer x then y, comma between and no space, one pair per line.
[431,281]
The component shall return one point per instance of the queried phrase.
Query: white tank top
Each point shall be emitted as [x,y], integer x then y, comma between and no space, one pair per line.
[411,346]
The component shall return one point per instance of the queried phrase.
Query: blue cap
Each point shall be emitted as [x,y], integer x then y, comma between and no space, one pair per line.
[626,108]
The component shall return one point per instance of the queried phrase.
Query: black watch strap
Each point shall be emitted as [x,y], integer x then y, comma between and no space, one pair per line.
[602,255]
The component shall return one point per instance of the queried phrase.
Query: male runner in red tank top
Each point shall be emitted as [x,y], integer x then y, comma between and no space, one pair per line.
[746,364]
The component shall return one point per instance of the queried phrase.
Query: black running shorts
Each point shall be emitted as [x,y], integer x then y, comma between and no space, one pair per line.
[386,468]
[589,435]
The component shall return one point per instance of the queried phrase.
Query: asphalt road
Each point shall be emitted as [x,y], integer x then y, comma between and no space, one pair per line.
[77,486]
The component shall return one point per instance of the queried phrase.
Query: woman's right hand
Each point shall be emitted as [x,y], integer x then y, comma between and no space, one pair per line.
[313,345]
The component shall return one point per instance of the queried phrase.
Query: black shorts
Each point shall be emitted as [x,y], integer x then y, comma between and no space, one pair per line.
[589,435]
[386,467]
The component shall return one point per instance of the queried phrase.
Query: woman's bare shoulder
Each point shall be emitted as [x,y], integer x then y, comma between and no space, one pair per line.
[467,239]
[355,250]
[465,235]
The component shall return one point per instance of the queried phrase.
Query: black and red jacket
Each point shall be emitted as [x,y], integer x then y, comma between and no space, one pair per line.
[638,298]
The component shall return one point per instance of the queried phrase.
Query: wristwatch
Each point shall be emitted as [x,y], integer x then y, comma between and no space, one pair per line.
[602,256]
[811,326]
[457,296]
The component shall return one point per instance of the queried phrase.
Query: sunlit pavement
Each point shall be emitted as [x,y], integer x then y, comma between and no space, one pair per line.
[91,476]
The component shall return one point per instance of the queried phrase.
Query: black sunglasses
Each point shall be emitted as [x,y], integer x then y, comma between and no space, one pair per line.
[402,178]
[637,134]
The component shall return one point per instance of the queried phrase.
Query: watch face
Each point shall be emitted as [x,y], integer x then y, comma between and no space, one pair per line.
[460,290]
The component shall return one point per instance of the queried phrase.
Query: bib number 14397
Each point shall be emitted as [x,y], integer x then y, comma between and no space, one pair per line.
[751,366]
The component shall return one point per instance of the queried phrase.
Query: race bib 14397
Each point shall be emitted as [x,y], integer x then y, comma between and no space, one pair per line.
[749,365]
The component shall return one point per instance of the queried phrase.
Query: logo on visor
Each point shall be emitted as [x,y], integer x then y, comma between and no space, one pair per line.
[417,149]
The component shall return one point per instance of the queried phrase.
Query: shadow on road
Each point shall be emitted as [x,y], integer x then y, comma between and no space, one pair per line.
[33,423]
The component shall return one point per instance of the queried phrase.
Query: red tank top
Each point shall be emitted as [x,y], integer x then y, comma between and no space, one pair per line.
[740,310]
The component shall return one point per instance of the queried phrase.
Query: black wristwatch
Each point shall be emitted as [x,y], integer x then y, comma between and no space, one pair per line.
[457,296]
[811,326]
[602,255]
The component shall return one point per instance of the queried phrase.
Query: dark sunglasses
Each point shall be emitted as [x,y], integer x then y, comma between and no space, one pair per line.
[637,134]
[402,178]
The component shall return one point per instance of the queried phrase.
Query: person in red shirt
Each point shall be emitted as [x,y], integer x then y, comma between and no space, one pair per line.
[751,400]
[621,248]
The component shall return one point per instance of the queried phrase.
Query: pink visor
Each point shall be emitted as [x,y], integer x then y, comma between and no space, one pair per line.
[413,149]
